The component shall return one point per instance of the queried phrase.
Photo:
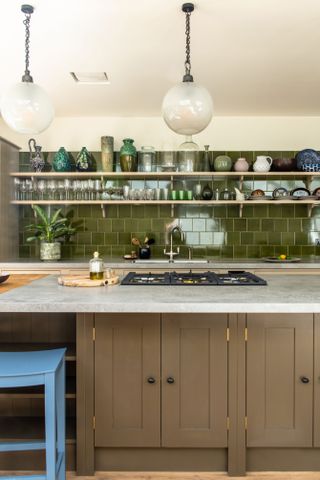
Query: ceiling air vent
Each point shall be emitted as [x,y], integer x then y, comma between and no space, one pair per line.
[90,78]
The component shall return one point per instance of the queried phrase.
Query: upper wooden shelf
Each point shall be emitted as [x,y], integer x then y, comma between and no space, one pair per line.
[159,175]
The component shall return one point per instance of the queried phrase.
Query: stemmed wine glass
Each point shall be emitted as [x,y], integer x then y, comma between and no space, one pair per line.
[42,187]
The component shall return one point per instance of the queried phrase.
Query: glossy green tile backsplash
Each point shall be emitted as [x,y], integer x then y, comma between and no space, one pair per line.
[211,231]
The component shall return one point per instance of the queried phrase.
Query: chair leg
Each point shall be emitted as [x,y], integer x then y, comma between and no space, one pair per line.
[50,424]
[61,416]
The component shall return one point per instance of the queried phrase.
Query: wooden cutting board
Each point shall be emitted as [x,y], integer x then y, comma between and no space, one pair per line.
[84,281]
[15,281]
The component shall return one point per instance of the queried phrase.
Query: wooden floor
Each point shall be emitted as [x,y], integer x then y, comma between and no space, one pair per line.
[199,476]
[187,476]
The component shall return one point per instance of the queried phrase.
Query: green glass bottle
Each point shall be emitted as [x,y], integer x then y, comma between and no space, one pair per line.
[128,156]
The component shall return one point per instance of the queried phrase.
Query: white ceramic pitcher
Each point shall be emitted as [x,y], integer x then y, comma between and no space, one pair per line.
[262,164]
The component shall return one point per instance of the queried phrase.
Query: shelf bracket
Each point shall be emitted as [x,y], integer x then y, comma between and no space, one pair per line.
[240,210]
[103,209]
[172,210]
[310,208]
[308,181]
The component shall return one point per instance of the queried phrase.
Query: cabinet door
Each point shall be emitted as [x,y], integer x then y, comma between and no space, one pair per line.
[279,380]
[194,380]
[127,359]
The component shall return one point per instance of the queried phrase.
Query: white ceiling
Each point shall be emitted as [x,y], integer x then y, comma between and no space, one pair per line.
[257,57]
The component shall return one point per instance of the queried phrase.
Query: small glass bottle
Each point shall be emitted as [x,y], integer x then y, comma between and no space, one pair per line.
[206,159]
[96,267]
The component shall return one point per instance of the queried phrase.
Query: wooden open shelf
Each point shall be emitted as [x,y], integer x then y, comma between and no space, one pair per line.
[25,347]
[17,429]
[160,175]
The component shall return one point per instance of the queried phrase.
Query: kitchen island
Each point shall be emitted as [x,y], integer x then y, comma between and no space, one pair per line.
[183,378]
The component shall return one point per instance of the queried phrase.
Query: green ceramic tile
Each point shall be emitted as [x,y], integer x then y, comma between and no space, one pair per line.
[294,225]
[301,238]
[239,251]
[104,224]
[248,211]
[213,225]
[300,211]
[206,238]
[261,238]
[84,238]
[118,250]
[287,238]
[253,224]
[267,225]
[118,225]
[280,225]
[307,250]
[267,250]
[233,211]
[144,225]
[125,211]
[260,211]
[240,224]
[98,238]
[275,211]
[91,224]
[219,212]
[151,211]
[294,250]
[111,238]
[287,211]
[274,238]
[227,251]
[253,251]
[247,238]
[84,211]
[233,238]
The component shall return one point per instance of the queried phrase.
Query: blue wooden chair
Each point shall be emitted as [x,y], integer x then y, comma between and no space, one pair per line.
[24,369]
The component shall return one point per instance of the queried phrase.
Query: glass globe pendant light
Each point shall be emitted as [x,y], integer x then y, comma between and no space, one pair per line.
[187,107]
[26,107]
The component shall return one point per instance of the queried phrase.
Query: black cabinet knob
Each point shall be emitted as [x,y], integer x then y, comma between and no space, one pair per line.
[151,380]
[304,379]
[170,380]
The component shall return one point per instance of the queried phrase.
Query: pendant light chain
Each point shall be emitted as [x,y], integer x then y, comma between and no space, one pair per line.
[187,63]
[26,22]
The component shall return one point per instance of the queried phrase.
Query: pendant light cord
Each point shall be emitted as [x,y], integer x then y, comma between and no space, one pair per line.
[27,77]
[187,64]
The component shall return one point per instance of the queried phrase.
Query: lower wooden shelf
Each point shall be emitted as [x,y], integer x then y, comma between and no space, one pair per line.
[15,429]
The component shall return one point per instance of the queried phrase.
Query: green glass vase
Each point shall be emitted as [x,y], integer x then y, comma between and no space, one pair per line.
[63,161]
[85,161]
[128,156]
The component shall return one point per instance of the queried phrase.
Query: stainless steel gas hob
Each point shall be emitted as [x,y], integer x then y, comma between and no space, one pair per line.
[234,278]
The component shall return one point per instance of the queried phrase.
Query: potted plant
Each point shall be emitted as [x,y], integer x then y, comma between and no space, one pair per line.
[51,230]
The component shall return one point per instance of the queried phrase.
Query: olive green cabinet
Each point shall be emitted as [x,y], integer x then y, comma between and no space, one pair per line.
[127,380]
[192,381]
[280,380]
[194,387]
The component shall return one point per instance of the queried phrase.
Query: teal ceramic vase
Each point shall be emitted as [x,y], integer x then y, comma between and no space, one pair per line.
[128,156]
[63,161]
[85,161]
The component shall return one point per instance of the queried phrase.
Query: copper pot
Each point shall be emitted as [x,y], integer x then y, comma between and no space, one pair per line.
[284,164]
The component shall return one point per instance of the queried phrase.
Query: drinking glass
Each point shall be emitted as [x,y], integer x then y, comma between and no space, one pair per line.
[97,189]
[29,189]
[126,190]
[67,187]
[23,190]
[52,187]
[61,189]
[16,183]
[42,187]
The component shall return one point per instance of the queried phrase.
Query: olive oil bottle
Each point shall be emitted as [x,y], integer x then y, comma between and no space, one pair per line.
[96,267]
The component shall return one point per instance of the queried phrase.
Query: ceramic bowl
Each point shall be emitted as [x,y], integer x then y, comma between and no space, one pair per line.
[284,164]
[4,276]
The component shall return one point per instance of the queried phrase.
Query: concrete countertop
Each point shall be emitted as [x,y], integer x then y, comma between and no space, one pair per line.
[292,294]
[120,263]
